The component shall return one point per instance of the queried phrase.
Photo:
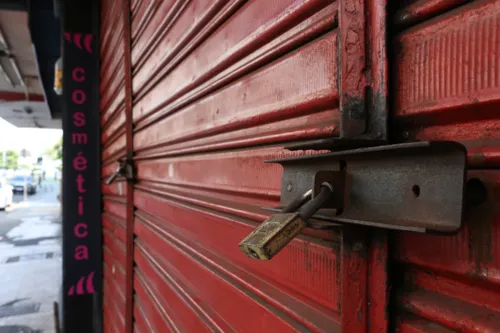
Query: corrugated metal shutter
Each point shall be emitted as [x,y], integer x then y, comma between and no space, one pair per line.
[113,139]
[216,86]
[448,79]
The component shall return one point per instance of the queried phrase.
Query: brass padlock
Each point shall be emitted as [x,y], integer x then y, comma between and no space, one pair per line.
[279,229]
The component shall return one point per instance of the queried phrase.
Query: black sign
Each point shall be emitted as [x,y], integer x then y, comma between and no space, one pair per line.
[81,169]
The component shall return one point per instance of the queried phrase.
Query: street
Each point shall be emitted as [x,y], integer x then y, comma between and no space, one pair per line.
[30,262]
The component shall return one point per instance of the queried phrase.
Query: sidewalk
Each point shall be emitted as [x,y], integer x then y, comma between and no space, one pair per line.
[30,264]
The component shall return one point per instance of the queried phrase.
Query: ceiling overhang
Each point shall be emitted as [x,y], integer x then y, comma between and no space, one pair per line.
[30,41]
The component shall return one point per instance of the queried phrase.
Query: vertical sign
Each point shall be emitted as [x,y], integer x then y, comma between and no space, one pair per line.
[81,170]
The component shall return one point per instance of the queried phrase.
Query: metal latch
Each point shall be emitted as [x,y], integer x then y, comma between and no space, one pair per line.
[125,169]
[415,186]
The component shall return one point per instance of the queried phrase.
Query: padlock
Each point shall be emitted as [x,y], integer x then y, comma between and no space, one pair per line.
[279,229]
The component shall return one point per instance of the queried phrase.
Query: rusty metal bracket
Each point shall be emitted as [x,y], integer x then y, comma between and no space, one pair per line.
[412,186]
[335,144]
[125,169]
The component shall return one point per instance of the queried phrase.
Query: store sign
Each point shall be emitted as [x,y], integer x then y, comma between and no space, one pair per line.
[82,258]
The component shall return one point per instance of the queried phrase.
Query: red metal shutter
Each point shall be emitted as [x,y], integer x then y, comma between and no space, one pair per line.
[114,143]
[213,89]
[218,87]
[448,88]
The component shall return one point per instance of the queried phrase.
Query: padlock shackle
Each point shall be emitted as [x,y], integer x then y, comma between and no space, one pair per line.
[311,207]
[298,202]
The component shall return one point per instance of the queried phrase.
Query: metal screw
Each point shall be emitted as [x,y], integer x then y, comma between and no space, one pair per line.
[289,187]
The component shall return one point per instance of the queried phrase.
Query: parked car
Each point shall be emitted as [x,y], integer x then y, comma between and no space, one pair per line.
[5,194]
[18,183]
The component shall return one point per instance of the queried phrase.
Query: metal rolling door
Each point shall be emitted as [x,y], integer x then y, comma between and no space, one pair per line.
[447,71]
[114,142]
[218,87]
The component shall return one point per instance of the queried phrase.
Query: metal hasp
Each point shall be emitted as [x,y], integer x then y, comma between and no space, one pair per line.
[125,169]
[411,186]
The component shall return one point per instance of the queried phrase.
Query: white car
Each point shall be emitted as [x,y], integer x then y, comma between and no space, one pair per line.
[5,194]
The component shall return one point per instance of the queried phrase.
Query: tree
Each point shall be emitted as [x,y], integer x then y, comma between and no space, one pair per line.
[10,161]
[55,152]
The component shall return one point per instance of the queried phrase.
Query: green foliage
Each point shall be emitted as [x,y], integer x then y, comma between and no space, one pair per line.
[55,152]
[11,159]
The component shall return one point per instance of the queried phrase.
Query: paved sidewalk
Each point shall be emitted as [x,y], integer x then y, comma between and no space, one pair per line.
[30,264]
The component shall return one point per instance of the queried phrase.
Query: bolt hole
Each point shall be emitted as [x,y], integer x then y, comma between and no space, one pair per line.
[476,192]
[416,190]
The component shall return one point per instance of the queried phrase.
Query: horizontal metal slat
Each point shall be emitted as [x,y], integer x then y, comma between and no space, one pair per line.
[140,317]
[114,92]
[117,104]
[158,25]
[287,269]
[111,19]
[448,75]
[117,319]
[420,10]
[458,287]
[168,42]
[117,188]
[145,10]
[113,271]
[451,63]
[183,309]
[113,126]
[157,319]
[116,149]
[112,65]
[112,320]
[114,225]
[110,146]
[114,276]
[302,83]
[141,325]
[227,169]
[413,324]
[210,58]
[231,301]
[117,209]
[314,126]
[450,312]
[116,247]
